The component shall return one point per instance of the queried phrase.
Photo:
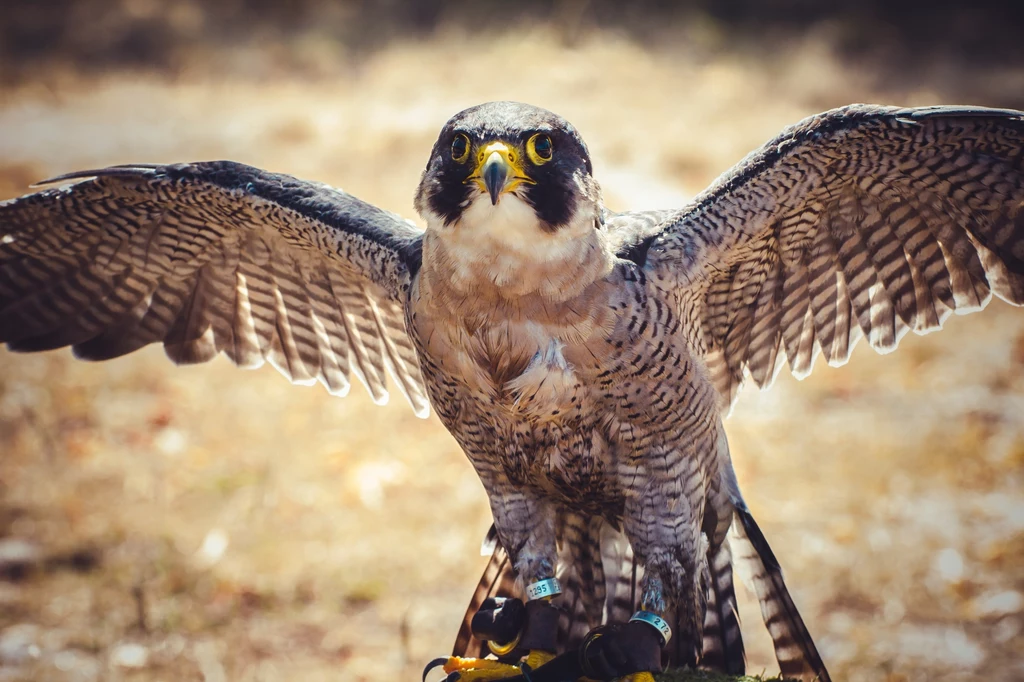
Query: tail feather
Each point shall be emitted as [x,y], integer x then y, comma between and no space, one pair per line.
[797,656]
[498,580]
[623,575]
[583,578]
[723,641]
[574,624]
[592,575]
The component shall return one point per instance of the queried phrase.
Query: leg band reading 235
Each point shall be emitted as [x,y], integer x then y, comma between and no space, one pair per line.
[657,622]
[543,588]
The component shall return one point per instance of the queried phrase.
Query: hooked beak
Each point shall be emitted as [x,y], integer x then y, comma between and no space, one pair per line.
[495,173]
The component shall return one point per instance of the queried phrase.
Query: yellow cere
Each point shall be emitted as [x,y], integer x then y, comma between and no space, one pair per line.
[513,159]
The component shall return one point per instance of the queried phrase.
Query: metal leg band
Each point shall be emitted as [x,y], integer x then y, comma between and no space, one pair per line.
[543,588]
[657,622]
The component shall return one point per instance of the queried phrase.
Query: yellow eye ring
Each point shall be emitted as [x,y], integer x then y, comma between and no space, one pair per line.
[539,149]
[460,148]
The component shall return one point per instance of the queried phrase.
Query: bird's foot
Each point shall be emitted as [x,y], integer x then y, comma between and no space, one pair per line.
[486,669]
[472,669]
[522,636]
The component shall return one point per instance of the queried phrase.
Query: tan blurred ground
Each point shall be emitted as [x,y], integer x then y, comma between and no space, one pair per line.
[246,529]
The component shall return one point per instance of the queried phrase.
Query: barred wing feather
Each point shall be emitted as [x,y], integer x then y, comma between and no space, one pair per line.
[209,258]
[864,221]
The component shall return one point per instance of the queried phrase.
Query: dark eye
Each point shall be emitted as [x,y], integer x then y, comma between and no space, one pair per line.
[539,148]
[460,148]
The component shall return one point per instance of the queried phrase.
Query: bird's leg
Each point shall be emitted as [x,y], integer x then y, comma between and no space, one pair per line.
[673,579]
[525,528]
[630,651]
[676,586]
[535,562]
[662,519]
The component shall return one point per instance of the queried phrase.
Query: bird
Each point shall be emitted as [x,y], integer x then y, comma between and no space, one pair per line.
[583,359]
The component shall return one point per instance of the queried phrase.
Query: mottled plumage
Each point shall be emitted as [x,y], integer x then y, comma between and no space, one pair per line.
[582,359]
[208,258]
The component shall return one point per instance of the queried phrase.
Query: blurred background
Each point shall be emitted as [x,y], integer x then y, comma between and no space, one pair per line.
[210,524]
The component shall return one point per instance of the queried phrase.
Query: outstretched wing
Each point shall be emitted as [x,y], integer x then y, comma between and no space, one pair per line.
[212,258]
[862,221]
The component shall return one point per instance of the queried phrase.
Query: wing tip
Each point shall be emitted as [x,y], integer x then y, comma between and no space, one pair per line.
[124,170]
[961,111]
[421,410]
[380,396]
[340,391]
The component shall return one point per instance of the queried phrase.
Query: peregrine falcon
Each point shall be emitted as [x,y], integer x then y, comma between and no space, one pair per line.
[583,359]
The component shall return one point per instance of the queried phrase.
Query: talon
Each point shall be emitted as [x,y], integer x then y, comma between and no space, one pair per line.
[472,669]
[433,664]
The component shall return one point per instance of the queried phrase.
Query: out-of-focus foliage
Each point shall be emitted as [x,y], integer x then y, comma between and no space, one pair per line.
[100,34]
[209,523]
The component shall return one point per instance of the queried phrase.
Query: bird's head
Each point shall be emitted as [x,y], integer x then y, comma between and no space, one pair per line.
[505,162]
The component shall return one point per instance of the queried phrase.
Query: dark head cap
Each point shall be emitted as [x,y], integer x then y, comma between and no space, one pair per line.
[508,148]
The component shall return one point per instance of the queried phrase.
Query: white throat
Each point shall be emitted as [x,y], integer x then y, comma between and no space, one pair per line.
[505,247]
